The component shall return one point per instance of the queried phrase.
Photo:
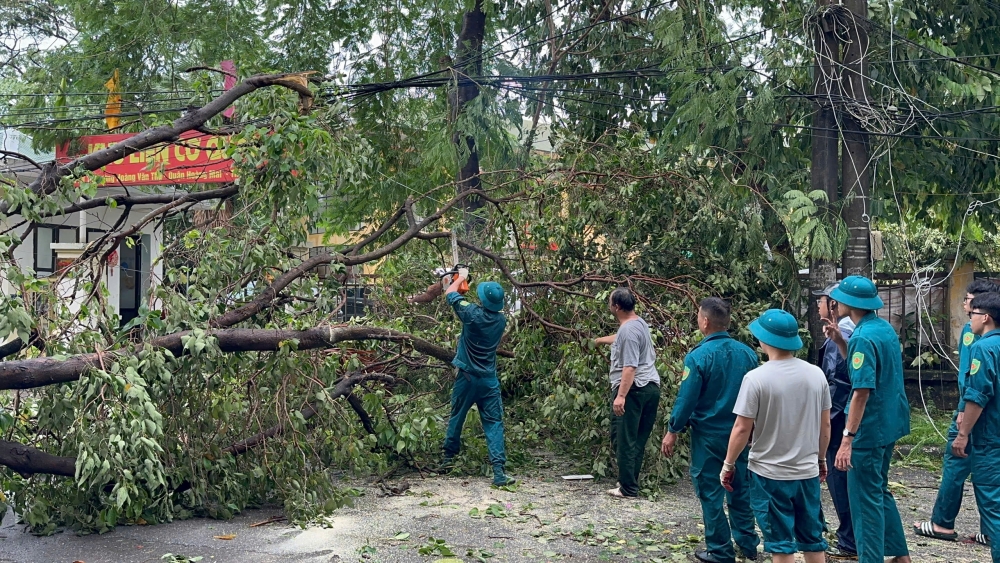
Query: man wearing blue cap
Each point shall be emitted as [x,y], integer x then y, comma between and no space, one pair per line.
[635,390]
[834,365]
[980,426]
[785,403]
[713,373]
[877,416]
[956,469]
[476,360]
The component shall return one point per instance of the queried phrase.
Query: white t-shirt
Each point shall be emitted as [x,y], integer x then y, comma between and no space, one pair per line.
[786,399]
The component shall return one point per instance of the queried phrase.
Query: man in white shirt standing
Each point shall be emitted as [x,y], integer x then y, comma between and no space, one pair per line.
[788,400]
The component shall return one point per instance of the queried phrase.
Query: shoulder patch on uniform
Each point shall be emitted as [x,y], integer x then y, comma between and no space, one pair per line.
[687,372]
[975,367]
[967,339]
[857,360]
[464,303]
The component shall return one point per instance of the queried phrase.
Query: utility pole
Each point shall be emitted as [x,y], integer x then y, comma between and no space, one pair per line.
[856,170]
[825,168]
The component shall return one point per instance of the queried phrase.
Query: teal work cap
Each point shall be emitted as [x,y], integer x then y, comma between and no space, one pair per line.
[858,292]
[778,329]
[490,295]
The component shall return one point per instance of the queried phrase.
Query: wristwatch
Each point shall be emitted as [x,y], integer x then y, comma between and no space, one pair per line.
[849,434]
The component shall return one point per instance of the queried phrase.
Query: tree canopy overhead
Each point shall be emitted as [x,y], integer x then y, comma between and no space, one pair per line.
[682,133]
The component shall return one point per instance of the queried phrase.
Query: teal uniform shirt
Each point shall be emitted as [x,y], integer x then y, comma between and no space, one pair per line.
[965,343]
[875,362]
[982,387]
[713,373]
[481,334]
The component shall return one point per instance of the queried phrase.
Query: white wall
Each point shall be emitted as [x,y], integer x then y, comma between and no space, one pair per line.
[103,219]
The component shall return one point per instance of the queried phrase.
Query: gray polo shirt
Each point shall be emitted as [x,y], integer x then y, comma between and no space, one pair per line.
[786,400]
[633,347]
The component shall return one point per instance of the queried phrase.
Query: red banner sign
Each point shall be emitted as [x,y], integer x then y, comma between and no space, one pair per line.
[196,159]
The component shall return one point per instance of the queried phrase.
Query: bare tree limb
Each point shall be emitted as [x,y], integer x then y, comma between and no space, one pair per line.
[150,199]
[363,416]
[20,156]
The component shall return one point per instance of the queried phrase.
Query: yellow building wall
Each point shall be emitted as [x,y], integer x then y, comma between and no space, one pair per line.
[960,279]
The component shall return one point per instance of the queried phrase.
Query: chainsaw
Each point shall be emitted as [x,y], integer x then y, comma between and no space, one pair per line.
[452,273]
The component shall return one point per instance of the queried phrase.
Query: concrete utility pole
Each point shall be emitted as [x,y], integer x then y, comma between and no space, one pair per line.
[856,169]
[825,158]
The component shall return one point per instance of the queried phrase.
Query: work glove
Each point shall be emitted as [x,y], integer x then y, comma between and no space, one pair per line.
[463,273]
[727,475]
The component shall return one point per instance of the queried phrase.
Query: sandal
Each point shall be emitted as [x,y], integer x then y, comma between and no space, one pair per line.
[980,539]
[835,552]
[926,529]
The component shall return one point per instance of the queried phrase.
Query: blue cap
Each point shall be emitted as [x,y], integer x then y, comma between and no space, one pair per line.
[490,295]
[778,329]
[858,292]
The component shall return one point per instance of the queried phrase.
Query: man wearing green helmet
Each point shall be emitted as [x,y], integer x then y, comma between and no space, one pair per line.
[877,416]
[477,382]
[785,404]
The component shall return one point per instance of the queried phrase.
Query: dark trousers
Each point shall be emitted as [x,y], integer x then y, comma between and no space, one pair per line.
[836,481]
[630,432]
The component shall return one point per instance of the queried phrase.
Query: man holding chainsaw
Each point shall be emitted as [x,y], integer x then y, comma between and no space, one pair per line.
[476,360]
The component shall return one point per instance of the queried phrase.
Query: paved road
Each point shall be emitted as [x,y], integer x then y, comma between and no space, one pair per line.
[147,544]
[545,519]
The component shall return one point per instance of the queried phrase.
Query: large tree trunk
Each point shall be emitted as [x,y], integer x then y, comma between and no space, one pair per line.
[825,173]
[856,168]
[469,63]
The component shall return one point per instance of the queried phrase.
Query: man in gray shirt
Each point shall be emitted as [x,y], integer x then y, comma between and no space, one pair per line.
[785,403]
[635,390]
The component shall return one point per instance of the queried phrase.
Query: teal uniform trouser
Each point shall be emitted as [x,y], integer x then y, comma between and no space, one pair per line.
[789,514]
[707,456]
[986,484]
[630,432]
[953,475]
[878,530]
[484,392]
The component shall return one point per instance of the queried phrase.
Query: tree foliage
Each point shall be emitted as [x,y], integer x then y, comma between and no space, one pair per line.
[680,169]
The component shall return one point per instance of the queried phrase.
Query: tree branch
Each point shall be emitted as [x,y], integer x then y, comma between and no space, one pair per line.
[38,372]
[51,174]
[342,388]
[27,460]
[150,199]
[263,300]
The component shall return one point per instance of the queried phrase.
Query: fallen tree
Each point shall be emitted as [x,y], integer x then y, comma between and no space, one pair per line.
[39,372]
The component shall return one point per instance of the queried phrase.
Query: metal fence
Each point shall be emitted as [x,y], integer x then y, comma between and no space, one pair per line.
[903,305]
